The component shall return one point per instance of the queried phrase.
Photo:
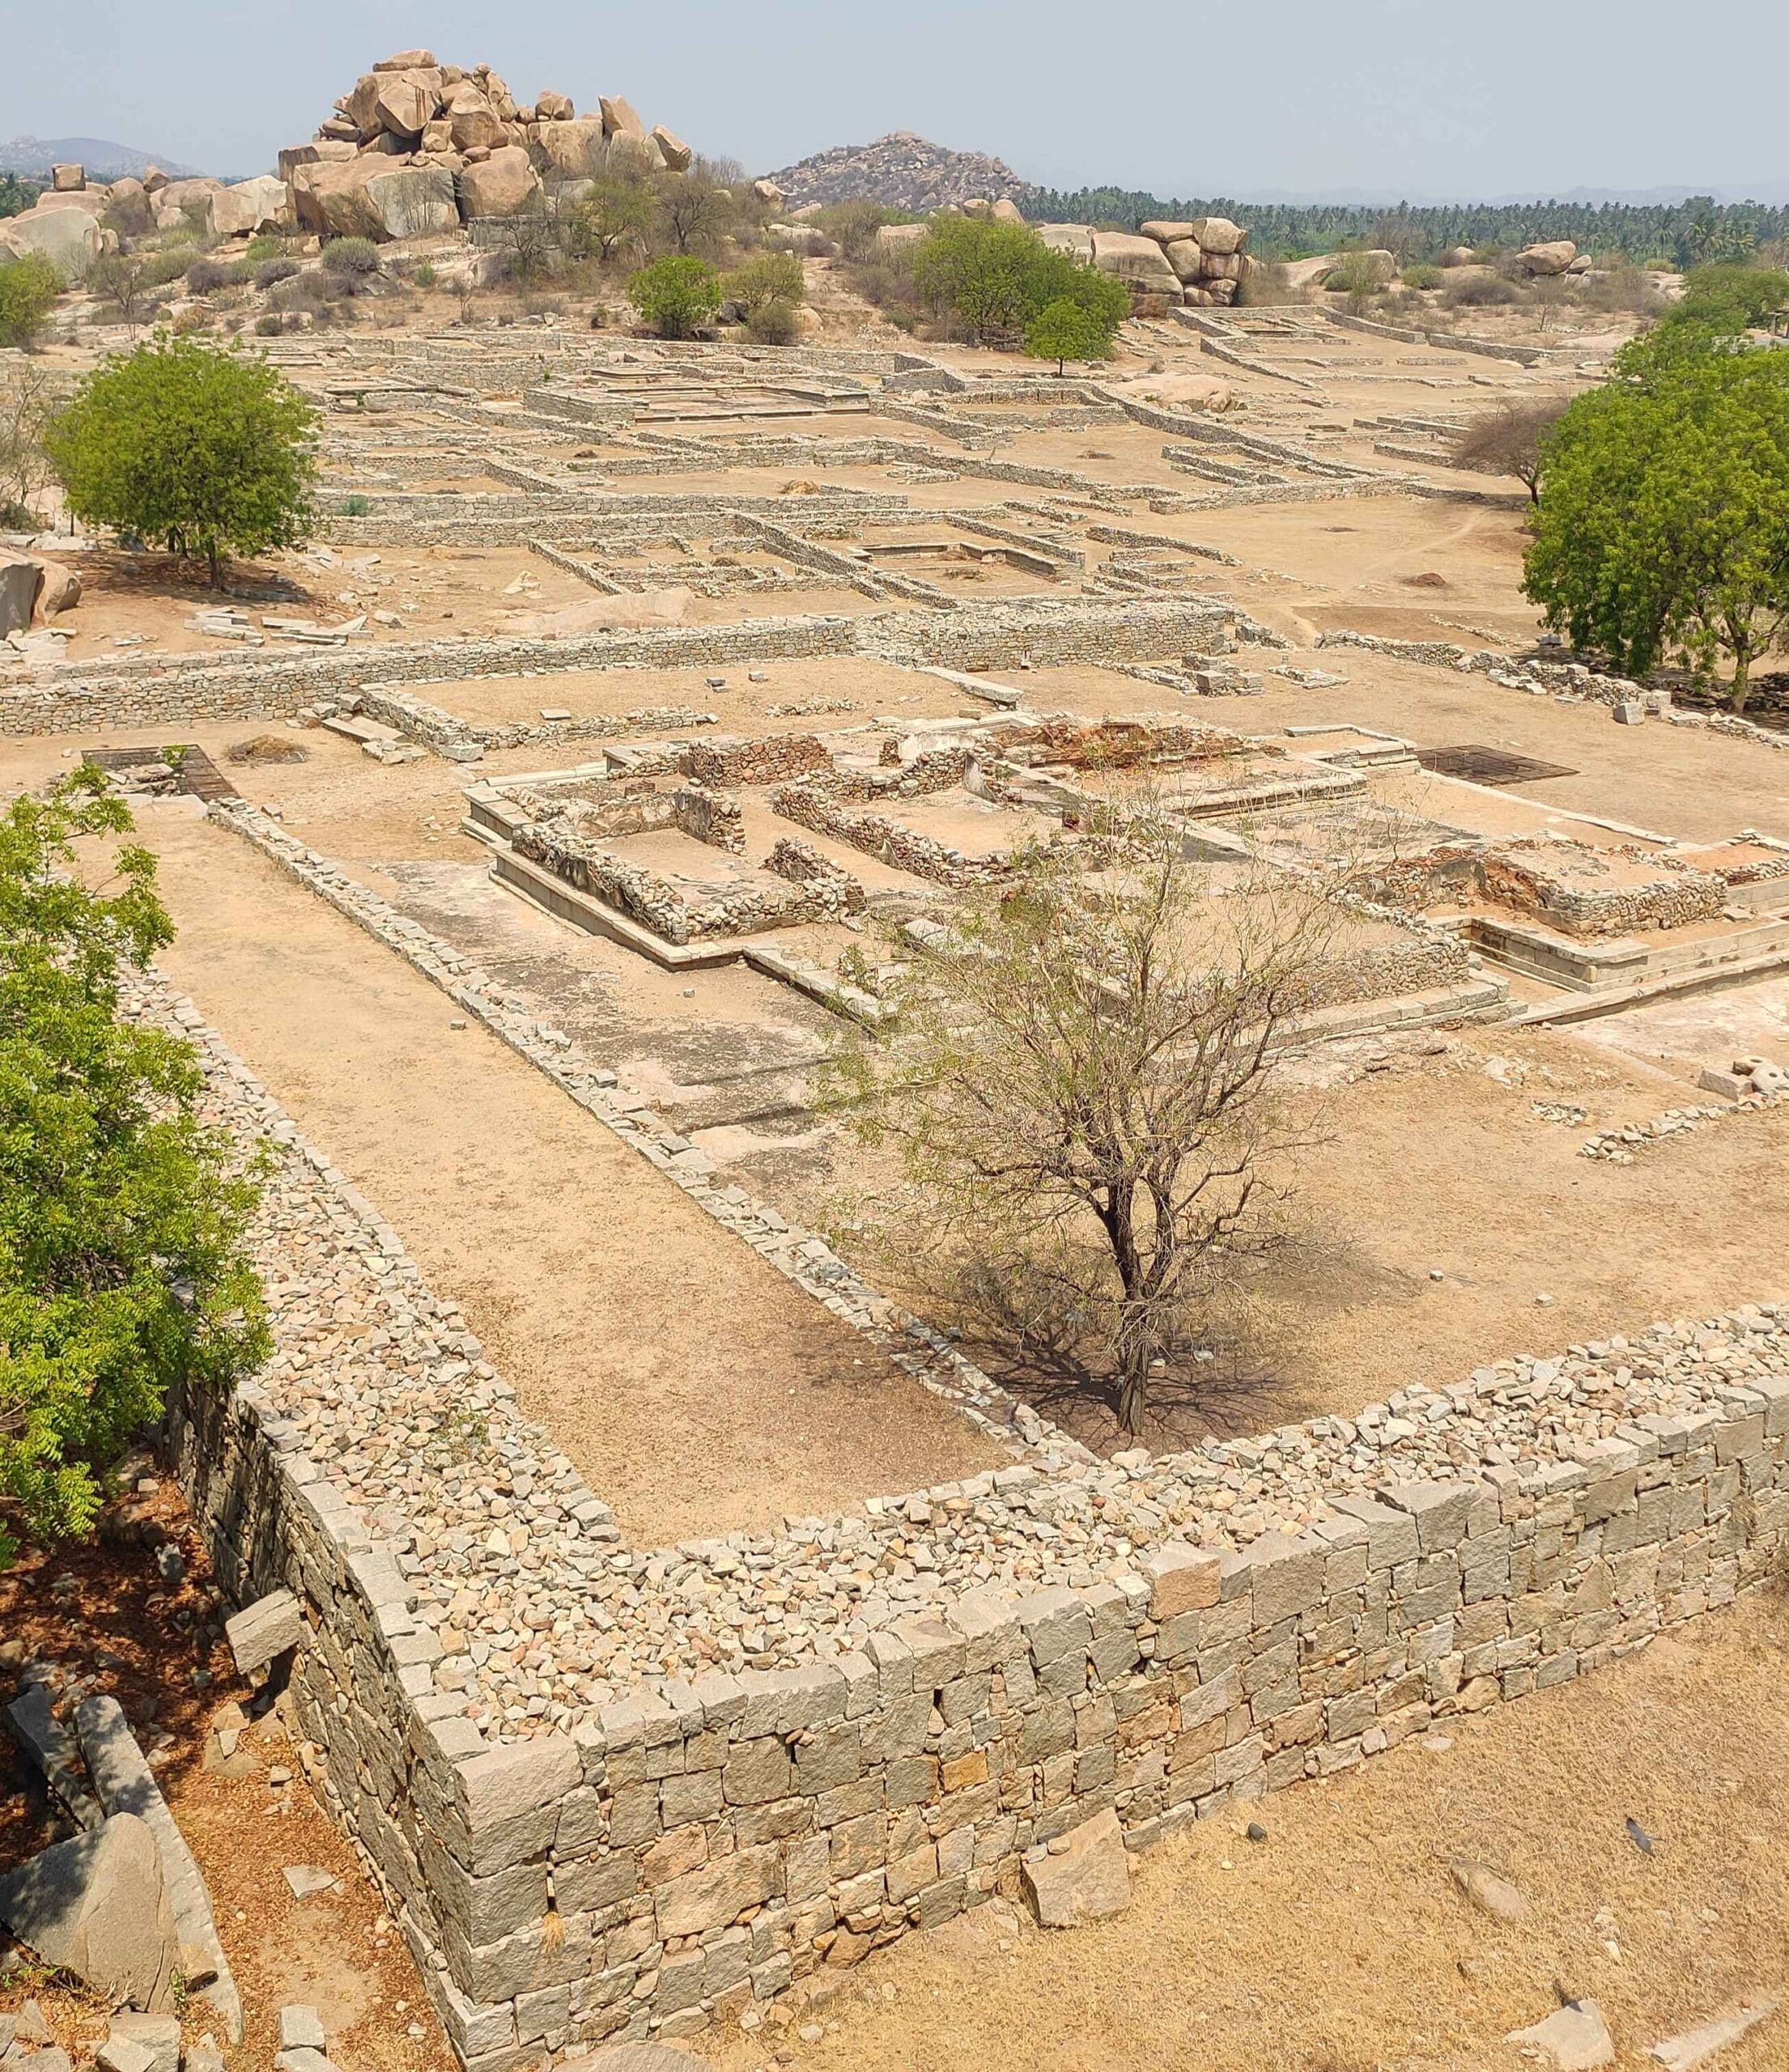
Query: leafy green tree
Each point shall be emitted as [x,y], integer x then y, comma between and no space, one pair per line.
[1663,521]
[123,1267]
[28,289]
[994,277]
[1732,298]
[213,451]
[16,195]
[675,295]
[1062,330]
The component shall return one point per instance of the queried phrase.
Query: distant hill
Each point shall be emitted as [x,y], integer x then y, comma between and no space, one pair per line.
[32,157]
[903,172]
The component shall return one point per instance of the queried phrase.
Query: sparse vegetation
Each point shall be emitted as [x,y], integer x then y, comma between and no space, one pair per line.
[351,258]
[28,289]
[1511,440]
[1075,1080]
[25,472]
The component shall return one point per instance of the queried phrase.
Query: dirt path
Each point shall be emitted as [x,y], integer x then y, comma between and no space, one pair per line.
[697,1391]
[1338,1944]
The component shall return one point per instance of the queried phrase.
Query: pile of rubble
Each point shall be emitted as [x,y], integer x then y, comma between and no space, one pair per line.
[418,148]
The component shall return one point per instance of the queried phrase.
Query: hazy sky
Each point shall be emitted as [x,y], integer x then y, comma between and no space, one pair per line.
[1419,97]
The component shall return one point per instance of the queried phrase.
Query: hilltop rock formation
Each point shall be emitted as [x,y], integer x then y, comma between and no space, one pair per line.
[903,172]
[418,147]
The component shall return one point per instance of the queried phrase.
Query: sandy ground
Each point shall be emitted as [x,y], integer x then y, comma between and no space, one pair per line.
[1437,1161]
[697,1391]
[1339,1943]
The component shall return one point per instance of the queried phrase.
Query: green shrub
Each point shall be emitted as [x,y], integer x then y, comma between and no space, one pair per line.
[212,452]
[1479,291]
[355,506]
[269,324]
[773,323]
[262,247]
[205,277]
[424,275]
[1424,277]
[766,277]
[28,289]
[272,271]
[351,257]
[159,268]
[675,295]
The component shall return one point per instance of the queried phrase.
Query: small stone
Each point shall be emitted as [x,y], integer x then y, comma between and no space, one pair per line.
[308,1879]
[1574,2038]
[1488,1891]
[1696,2046]
[1255,1831]
[301,2028]
[808,2031]
[1637,1835]
[1086,1876]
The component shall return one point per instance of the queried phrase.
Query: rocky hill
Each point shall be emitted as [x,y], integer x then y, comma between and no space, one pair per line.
[902,170]
[32,157]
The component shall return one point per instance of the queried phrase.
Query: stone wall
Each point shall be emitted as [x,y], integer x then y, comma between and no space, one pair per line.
[1047,631]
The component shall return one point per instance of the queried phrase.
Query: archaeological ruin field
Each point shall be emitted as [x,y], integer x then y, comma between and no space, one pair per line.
[713,1622]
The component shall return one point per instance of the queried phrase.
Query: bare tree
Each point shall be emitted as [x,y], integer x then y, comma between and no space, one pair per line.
[1078,1073]
[694,210]
[1511,440]
[119,277]
[28,398]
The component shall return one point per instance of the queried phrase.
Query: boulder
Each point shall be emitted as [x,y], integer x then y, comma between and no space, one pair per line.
[1310,273]
[1218,234]
[19,578]
[1007,212]
[373,197]
[472,121]
[979,206]
[554,107]
[129,204]
[768,193]
[576,149]
[91,199]
[1166,233]
[338,129]
[154,180]
[68,237]
[1085,1876]
[1075,239]
[405,60]
[675,153]
[68,179]
[1545,259]
[1140,262]
[896,237]
[1459,255]
[1219,265]
[1582,263]
[1186,257]
[618,118]
[97,1906]
[500,185]
[406,102]
[360,104]
[58,589]
[251,205]
[502,100]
